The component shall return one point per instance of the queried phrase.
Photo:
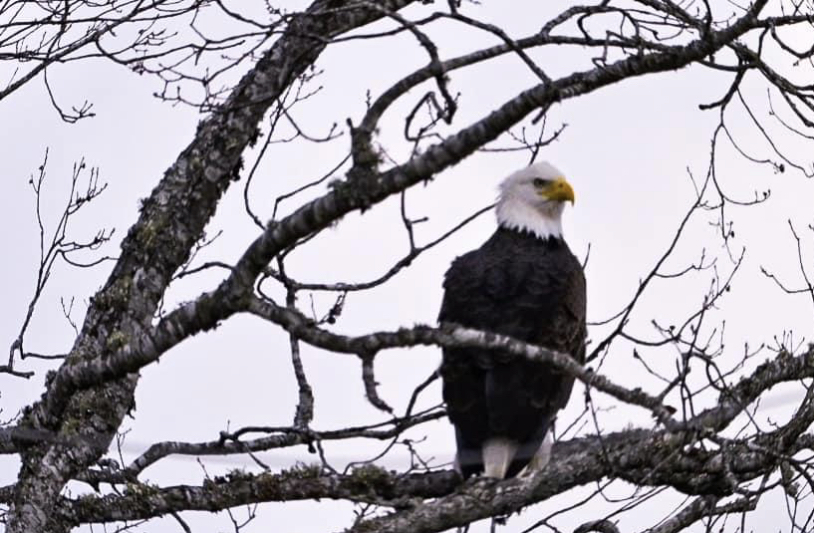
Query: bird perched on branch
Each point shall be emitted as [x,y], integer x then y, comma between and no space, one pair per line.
[523,282]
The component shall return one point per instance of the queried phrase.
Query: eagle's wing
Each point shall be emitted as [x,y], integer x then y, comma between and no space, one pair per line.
[491,393]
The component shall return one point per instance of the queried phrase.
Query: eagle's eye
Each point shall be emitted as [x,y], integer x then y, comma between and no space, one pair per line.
[540,182]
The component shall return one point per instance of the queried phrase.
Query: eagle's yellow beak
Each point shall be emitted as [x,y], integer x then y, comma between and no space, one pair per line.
[559,190]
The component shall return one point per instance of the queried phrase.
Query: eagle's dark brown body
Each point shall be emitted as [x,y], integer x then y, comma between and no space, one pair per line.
[533,289]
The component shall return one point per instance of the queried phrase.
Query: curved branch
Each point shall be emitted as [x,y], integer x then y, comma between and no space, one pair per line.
[643,457]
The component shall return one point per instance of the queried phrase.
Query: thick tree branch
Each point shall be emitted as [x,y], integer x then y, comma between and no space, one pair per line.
[367,484]
[171,221]
[642,457]
[638,456]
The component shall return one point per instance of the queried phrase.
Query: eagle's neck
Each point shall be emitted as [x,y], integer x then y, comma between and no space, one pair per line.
[544,223]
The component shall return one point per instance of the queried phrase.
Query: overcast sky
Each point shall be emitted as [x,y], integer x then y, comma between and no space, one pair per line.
[627,149]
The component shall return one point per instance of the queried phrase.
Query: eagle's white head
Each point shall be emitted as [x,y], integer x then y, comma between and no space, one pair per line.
[533,199]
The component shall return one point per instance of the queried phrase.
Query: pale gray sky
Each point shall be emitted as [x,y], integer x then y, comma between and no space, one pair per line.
[627,150]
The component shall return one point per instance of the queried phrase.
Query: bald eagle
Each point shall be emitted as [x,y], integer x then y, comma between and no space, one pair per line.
[523,282]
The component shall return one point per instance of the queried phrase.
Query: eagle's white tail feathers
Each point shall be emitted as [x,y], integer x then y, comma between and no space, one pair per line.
[541,458]
[497,456]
